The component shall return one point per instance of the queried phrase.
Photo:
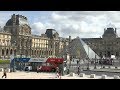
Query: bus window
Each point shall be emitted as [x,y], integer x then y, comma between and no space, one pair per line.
[43,64]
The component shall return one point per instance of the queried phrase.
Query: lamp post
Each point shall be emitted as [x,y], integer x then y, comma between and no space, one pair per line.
[88,58]
[14,56]
[95,62]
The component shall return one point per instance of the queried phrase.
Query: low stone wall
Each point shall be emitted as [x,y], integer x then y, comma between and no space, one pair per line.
[4,65]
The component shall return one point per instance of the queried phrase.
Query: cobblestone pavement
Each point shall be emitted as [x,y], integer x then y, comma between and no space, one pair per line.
[34,75]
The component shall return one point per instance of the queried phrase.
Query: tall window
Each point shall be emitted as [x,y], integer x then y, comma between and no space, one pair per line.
[7,52]
[117,54]
[11,51]
[100,54]
[32,52]
[2,52]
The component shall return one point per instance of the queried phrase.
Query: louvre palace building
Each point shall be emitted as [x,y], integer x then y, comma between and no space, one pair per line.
[108,44]
[16,38]
[105,46]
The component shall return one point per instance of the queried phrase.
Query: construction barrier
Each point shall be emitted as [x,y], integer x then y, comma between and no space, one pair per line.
[104,77]
[72,74]
[116,77]
[82,75]
[92,76]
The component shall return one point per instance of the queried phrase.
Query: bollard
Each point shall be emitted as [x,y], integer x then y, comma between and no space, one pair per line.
[72,74]
[103,66]
[109,67]
[82,74]
[116,77]
[2,69]
[104,77]
[92,76]
[8,69]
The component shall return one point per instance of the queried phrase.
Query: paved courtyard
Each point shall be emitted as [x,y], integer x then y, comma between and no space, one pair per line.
[34,75]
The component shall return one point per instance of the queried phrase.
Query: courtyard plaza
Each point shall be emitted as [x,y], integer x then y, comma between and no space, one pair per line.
[46,75]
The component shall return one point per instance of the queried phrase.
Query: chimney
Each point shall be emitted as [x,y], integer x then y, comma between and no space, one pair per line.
[115,30]
[69,39]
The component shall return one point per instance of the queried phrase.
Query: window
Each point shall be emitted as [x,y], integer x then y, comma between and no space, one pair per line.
[43,64]
[108,48]
[7,52]
[117,53]
[11,51]
[2,52]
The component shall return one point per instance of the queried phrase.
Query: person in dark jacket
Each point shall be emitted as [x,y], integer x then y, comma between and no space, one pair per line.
[4,74]
[78,70]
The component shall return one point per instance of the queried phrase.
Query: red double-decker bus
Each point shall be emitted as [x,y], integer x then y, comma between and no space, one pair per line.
[51,64]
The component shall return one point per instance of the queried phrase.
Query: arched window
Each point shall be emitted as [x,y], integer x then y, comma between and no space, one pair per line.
[2,52]
[49,53]
[32,52]
[40,52]
[117,54]
[7,52]
[35,52]
[11,51]
[15,51]
[26,52]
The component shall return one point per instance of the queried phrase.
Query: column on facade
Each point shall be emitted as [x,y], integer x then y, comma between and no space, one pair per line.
[35,52]
[5,52]
[9,52]
[0,52]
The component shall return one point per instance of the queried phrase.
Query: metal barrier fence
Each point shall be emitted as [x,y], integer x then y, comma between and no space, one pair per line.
[94,64]
[7,69]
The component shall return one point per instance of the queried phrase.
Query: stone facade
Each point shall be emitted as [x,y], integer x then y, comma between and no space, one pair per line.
[107,45]
[16,38]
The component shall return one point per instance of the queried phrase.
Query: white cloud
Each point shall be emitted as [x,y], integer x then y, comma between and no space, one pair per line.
[38,28]
[74,23]
[4,18]
[79,23]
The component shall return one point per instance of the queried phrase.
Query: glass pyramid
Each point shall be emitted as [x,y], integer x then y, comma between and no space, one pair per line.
[89,52]
[79,49]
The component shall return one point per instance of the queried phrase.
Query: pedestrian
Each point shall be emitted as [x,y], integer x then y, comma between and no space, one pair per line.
[37,69]
[68,71]
[60,73]
[78,72]
[65,70]
[57,72]
[4,73]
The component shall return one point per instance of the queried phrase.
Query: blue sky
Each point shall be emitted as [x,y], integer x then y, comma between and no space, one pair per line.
[87,24]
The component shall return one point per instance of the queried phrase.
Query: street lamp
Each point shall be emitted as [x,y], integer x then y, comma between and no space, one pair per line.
[14,56]
[88,58]
[95,62]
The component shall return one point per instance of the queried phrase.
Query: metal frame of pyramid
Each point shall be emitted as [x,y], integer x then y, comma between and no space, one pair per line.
[87,49]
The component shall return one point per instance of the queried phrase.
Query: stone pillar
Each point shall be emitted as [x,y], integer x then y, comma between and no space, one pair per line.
[0,52]
[4,53]
[9,53]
